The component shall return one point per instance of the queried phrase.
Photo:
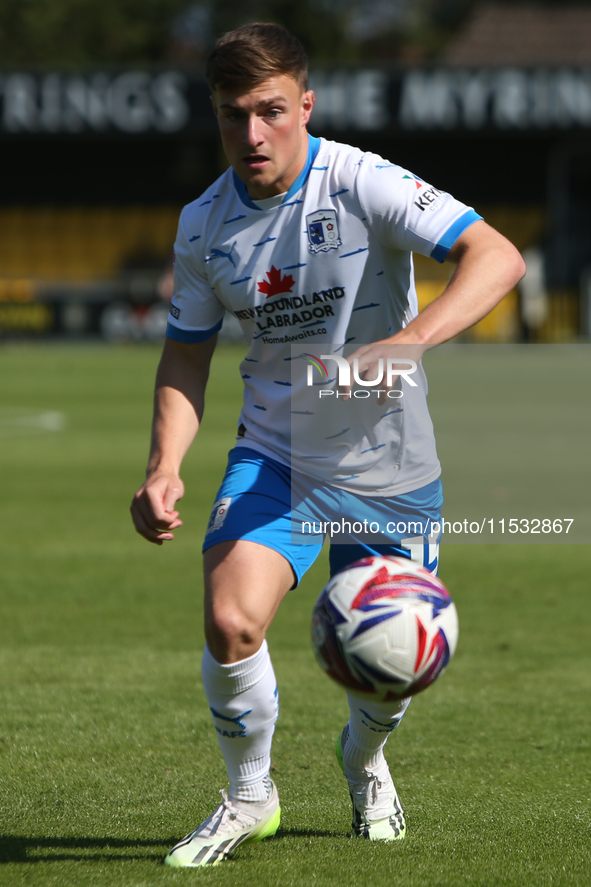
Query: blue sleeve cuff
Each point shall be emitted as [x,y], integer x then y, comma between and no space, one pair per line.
[440,251]
[191,337]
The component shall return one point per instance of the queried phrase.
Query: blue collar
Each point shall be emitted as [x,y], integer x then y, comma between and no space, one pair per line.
[313,148]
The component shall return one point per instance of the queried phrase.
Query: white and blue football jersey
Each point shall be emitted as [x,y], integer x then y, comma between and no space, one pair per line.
[326,266]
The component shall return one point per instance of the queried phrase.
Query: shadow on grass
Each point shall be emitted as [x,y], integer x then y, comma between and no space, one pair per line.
[15,848]
[308,833]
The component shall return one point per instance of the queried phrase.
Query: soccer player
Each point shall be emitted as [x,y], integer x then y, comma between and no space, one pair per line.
[305,241]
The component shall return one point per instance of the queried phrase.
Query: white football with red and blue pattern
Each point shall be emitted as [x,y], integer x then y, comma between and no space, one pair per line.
[384,627]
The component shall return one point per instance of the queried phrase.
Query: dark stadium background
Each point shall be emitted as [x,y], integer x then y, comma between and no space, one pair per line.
[88,204]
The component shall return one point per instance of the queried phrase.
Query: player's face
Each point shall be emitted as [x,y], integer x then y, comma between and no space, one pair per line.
[264,133]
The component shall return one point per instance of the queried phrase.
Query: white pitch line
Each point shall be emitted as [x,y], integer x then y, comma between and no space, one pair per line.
[23,423]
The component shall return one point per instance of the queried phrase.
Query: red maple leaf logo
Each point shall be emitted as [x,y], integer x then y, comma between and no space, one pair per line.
[276,283]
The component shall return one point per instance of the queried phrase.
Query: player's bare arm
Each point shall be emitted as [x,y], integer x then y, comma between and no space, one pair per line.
[487,267]
[178,408]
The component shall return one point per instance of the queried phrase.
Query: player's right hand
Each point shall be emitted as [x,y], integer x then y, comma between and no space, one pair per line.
[153,507]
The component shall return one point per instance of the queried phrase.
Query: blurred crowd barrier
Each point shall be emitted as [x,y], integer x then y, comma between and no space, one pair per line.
[80,271]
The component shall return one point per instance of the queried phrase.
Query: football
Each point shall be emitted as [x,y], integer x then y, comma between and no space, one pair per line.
[384,627]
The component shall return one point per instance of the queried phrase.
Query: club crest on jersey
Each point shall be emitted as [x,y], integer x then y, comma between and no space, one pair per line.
[323,230]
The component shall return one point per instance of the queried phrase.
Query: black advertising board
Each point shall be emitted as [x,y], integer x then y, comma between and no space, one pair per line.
[135,103]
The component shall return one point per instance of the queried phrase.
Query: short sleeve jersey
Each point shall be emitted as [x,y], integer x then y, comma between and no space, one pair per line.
[328,268]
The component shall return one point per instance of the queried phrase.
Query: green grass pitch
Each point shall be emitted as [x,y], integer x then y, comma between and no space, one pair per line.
[106,752]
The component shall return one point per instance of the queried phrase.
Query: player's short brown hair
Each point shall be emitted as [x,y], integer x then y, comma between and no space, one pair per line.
[251,54]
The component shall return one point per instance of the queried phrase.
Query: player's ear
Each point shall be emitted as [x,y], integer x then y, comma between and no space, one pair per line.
[308,100]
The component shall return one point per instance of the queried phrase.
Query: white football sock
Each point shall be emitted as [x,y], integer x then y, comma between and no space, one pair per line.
[244,704]
[370,725]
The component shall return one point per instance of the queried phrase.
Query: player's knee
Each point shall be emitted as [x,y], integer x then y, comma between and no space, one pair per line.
[231,635]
